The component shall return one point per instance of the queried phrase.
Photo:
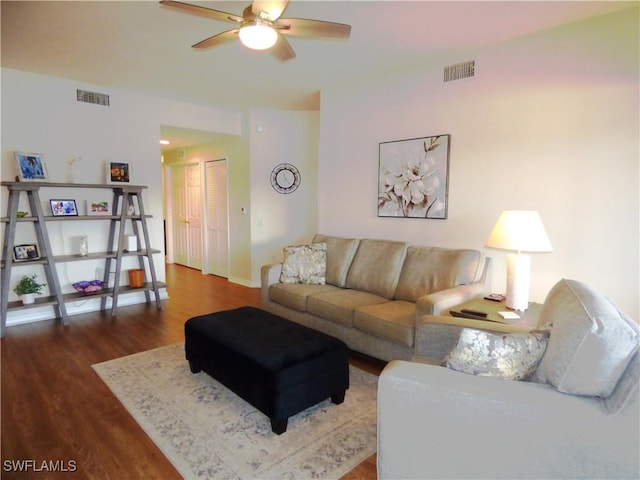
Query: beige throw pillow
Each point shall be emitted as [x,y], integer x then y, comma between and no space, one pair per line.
[305,264]
[512,356]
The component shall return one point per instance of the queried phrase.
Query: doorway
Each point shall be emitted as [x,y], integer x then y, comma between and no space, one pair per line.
[195,178]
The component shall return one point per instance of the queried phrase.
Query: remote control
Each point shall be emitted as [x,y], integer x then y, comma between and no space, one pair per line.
[495,297]
[474,312]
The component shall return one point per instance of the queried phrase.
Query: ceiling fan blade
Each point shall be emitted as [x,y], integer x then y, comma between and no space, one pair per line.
[219,39]
[274,8]
[302,27]
[282,50]
[202,11]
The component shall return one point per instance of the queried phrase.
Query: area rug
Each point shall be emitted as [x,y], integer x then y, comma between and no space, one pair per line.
[206,431]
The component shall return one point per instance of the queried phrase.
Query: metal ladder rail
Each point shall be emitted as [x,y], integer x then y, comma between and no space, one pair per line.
[147,246]
[7,258]
[46,252]
[123,198]
[107,263]
[136,232]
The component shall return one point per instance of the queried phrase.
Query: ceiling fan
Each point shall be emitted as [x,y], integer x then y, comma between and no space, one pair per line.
[260,26]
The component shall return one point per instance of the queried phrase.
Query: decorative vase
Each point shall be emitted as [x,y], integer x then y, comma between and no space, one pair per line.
[136,277]
[84,246]
[76,170]
[28,298]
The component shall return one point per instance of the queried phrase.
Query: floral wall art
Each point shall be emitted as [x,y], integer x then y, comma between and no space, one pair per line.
[413,180]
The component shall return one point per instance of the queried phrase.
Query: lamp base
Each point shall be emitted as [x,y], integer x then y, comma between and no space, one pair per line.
[518,275]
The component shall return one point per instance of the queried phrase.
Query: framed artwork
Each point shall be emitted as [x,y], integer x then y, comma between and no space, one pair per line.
[26,252]
[118,172]
[63,208]
[31,167]
[98,208]
[413,179]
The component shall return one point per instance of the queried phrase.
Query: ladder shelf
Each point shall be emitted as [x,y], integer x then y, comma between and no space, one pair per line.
[126,198]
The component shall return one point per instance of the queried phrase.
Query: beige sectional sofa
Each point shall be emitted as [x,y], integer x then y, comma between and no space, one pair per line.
[376,290]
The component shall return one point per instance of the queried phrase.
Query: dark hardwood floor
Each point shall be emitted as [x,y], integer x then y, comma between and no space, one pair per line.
[57,413]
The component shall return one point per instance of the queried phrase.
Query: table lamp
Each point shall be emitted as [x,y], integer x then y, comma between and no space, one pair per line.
[519,231]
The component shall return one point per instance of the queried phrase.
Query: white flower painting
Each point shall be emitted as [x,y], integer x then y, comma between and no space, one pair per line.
[414,178]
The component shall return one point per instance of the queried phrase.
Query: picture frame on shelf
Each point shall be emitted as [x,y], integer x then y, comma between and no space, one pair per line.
[31,167]
[413,177]
[63,207]
[25,252]
[118,172]
[98,208]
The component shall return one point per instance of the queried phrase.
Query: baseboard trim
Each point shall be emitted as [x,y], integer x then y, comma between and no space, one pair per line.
[244,282]
[21,317]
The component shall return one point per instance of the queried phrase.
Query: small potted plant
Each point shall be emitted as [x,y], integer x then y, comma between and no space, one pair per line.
[28,288]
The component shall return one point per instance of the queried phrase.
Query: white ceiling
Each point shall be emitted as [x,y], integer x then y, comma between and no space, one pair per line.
[143,46]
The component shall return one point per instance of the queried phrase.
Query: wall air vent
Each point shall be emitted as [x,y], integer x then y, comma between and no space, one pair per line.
[92,97]
[459,71]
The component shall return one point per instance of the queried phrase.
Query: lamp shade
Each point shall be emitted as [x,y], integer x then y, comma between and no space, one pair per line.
[520,231]
[258,35]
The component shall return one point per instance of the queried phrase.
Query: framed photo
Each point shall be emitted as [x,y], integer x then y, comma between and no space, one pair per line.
[98,208]
[31,167]
[413,179]
[26,252]
[118,172]
[63,208]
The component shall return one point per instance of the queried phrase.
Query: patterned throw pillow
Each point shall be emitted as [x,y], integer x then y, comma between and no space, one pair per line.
[512,356]
[305,264]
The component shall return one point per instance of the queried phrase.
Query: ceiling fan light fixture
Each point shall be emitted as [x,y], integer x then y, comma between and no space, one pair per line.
[258,35]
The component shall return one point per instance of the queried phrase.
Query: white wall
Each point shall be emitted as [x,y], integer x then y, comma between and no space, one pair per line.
[41,114]
[273,220]
[550,123]
[278,220]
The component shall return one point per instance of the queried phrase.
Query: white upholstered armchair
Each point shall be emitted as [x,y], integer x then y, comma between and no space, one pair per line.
[578,417]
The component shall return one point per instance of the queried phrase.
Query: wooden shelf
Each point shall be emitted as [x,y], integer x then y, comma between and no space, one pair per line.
[79,296]
[124,200]
[91,256]
[71,218]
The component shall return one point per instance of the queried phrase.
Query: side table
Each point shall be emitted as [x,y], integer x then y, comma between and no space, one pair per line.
[527,322]
[436,335]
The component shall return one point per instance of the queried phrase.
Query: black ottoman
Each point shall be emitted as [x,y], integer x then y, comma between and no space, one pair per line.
[279,367]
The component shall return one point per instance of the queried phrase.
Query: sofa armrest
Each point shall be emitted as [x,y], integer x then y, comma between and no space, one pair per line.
[269,275]
[434,422]
[438,302]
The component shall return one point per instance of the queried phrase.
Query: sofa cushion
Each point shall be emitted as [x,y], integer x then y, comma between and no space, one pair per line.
[591,342]
[294,295]
[340,253]
[338,306]
[393,321]
[431,269]
[305,264]
[513,356]
[376,267]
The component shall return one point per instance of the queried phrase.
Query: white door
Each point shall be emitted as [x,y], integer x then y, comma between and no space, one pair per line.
[179,215]
[194,215]
[187,214]
[217,218]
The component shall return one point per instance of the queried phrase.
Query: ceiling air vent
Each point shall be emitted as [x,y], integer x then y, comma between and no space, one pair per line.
[459,71]
[92,97]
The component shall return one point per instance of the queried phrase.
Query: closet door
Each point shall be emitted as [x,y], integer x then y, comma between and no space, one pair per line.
[186,190]
[179,215]
[217,218]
